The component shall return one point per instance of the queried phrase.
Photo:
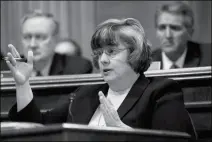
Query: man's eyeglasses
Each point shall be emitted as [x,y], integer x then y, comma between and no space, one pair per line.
[111,52]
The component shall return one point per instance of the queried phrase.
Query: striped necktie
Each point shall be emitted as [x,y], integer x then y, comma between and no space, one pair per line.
[38,73]
[174,66]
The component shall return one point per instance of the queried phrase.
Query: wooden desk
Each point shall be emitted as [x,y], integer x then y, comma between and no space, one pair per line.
[48,91]
[75,132]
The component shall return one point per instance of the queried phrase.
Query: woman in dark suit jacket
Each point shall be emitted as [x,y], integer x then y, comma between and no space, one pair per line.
[128,99]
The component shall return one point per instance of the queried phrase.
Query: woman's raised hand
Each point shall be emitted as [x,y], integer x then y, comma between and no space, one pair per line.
[111,116]
[21,71]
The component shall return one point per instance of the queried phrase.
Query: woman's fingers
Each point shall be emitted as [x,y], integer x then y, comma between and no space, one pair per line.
[11,62]
[11,59]
[109,102]
[110,114]
[104,100]
[105,114]
[30,57]
[13,51]
[11,67]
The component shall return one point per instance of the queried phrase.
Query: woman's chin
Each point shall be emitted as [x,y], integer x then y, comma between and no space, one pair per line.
[108,78]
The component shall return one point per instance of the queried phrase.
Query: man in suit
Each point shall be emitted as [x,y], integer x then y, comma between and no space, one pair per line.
[39,34]
[174,24]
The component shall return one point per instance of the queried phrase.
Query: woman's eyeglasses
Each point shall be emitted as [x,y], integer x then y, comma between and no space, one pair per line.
[111,52]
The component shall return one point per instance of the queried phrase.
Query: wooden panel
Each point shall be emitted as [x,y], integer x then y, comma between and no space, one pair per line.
[74,132]
[196,83]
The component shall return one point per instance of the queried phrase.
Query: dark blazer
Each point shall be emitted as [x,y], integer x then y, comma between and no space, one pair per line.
[4,66]
[65,65]
[152,103]
[69,65]
[198,55]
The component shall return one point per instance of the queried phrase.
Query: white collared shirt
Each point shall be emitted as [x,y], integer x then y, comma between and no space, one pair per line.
[45,70]
[116,99]
[167,63]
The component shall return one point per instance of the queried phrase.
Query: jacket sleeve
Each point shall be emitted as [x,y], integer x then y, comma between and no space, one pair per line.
[169,112]
[31,113]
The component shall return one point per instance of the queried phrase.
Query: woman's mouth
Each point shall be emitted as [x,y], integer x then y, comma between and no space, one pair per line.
[106,71]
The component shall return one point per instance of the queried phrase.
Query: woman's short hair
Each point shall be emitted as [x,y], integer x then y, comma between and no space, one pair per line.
[130,33]
[178,8]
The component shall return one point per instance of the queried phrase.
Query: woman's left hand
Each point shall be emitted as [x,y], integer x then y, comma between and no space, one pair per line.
[111,116]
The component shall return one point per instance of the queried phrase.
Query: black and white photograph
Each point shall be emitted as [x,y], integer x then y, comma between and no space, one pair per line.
[106,71]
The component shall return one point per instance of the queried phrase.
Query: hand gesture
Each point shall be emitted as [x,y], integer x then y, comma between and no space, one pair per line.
[110,114]
[21,71]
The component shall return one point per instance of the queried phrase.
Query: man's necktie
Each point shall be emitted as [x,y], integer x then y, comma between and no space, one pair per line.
[174,66]
[38,73]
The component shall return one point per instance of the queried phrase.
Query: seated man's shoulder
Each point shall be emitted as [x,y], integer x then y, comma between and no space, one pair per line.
[201,50]
[161,82]
[156,54]
[206,47]
[201,46]
[79,63]
[162,87]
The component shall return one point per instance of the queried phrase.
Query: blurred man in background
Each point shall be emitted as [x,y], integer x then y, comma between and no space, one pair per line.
[174,24]
[40,34]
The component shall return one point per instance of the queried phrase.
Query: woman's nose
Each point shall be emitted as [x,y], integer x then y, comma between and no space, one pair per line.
[104,59]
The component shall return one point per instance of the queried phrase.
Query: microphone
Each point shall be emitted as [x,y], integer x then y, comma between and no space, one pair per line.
[71,99]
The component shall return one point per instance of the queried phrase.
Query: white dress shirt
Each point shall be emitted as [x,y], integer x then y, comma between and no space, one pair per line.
[167,63]
[116,99]
[45,70]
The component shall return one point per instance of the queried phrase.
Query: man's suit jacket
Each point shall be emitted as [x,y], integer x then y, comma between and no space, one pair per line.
[69,65]
[4,66]
[198,55]
[152,103]
[66,65]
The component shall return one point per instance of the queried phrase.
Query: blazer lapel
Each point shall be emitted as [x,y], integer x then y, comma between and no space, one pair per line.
[57,65]
[88,104]
[193,55]
[133,96]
